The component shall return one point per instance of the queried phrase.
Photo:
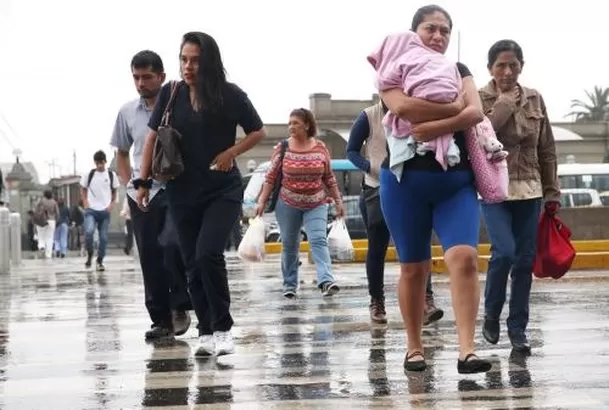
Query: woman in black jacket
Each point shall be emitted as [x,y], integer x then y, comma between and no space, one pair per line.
[205,200]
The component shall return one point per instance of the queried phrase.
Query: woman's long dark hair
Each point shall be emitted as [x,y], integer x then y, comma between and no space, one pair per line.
[211,77]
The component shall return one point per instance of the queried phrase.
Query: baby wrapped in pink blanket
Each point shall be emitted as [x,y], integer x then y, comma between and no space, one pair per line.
[402,60]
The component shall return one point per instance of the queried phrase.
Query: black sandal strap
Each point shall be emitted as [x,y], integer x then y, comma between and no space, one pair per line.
[410,355]
[469,356]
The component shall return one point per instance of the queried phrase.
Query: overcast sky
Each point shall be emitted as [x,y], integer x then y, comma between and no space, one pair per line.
[65,63]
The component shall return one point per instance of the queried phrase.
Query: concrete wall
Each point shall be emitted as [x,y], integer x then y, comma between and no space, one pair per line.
[585,224]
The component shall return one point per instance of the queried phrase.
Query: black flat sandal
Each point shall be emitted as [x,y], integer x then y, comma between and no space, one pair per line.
[472,364]
[416,365]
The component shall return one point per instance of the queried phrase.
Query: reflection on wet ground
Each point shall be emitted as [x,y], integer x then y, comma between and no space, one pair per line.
[71,339]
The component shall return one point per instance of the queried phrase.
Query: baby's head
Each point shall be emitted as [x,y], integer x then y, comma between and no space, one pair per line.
[392,46]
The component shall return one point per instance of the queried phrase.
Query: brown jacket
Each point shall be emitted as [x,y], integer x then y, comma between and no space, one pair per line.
[51,208]
[525,131]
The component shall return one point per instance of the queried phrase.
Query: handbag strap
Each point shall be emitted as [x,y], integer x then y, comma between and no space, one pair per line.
[284,147]
[166,118]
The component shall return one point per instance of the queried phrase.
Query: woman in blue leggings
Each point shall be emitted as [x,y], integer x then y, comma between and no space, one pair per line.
[427,198]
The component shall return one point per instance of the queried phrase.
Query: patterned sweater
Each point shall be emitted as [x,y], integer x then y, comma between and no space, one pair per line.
[307,176]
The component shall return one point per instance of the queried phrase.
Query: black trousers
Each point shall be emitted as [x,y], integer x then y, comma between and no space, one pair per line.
[162,267]
[203,230]
[378,241]
[129,235]
[234,239]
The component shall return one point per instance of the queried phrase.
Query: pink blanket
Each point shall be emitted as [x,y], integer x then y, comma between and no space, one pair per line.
[403,61]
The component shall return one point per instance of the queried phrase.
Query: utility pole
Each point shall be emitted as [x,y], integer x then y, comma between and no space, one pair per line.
[52,165]
[74,162]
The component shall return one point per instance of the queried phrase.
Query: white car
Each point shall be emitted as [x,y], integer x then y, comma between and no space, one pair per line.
[580,197]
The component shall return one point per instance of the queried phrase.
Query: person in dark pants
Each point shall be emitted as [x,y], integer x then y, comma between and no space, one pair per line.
[235,237]
[173,262]
[161,269]
[126,213]
[31,231]
[367,130]
[76,230]
[206,198]
[520,119]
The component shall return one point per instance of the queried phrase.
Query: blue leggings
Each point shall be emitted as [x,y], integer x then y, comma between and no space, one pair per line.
[443,201]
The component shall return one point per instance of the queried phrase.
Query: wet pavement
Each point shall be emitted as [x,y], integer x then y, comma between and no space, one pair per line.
[71,339]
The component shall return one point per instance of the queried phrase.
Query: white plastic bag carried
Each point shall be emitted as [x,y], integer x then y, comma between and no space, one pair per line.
[251,248]
[339,242]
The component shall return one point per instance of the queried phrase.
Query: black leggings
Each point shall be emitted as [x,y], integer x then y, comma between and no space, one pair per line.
[378,241]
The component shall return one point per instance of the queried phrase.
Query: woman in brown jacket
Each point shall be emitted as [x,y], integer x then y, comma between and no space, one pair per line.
[522,125]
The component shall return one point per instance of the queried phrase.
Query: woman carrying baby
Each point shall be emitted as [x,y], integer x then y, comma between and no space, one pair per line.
[435,194]
[519,117]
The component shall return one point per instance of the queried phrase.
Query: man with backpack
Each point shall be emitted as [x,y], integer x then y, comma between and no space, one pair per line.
[98,194]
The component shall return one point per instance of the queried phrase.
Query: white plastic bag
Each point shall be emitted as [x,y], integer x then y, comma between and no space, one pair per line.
[251,248]
[339,242]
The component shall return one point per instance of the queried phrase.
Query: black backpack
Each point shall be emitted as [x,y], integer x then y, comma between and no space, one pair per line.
[111,179]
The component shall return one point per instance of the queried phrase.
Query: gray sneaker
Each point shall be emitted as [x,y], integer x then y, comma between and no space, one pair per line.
[329,289]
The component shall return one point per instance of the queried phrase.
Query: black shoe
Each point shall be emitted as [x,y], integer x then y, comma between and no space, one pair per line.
[519,341]
[181,322]
[472,364]
[100,266]
[88,262]
[491,330]
[415,365]
[159,332]
[289,294]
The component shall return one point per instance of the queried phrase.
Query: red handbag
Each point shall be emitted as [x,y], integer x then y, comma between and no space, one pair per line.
[555,253]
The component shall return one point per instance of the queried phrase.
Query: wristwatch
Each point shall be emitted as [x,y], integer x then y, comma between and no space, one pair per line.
[140,183]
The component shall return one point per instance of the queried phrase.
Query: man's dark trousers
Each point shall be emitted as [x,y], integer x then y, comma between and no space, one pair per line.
[162,268]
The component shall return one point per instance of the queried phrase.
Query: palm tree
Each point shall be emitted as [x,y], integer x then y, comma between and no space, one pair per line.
[595,109]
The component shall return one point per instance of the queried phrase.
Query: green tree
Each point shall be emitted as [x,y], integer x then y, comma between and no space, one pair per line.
[596,108]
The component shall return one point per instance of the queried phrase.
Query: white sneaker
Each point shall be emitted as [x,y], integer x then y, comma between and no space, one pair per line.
[207,346]
[224,343]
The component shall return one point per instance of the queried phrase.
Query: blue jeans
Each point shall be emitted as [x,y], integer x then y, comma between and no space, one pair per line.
[61,238]
[512,231]
[100,220]
[315,222]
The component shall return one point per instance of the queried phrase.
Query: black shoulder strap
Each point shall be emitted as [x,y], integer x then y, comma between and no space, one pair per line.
[91,173]
[284,147]
[282,150]
[166,118]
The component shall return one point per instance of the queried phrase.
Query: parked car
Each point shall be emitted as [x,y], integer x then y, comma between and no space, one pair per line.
[604,197]
[580,197]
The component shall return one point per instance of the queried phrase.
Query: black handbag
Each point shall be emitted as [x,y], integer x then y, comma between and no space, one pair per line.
[272,203]
[167,162]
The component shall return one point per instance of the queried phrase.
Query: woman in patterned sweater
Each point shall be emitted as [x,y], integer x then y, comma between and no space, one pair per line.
[306,182]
